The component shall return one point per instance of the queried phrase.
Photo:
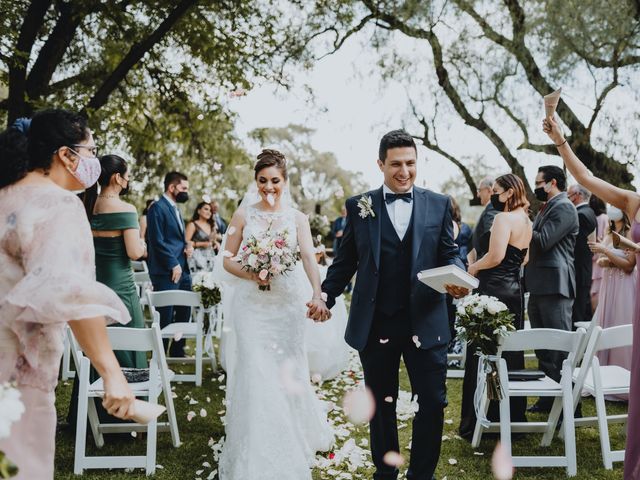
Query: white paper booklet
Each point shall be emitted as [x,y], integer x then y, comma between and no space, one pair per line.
[437,278]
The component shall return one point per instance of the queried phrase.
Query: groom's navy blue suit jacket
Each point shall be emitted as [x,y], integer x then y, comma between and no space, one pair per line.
[432,246]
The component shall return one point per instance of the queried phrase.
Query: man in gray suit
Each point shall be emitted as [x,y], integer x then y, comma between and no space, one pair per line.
[550,273]
[485,190]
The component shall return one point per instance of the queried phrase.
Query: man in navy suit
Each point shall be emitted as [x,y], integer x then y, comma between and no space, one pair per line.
[337,229]
[391,234]
[168,250]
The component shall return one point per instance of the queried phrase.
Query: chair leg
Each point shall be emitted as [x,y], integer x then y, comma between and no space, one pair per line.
[568,421]
[94,423]
[171,414]
[601,412]
[505,412]
[152,434]
[477,433]
[552,422]
[199,346]
[81,421]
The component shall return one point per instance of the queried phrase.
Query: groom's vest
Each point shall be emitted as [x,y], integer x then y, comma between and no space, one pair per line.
[395,266]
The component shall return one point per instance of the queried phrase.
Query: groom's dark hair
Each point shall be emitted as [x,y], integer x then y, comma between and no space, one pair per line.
[395,139]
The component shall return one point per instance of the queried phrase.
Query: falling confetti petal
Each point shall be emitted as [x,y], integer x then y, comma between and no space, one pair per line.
[177,336]
[501,463]
[231,230]
[227,254]
[393,459]
[384,340]
[206,198]
[416,340]
[323,296]
[359,405]
[388,399]
[271,200]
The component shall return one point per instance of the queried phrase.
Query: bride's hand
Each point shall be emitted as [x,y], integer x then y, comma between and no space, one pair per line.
[256,278]
[318,310]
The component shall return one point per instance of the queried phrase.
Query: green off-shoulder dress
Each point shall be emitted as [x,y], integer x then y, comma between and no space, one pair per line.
[113,268]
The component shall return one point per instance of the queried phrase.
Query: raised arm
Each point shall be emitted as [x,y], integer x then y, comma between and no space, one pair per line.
[623,199]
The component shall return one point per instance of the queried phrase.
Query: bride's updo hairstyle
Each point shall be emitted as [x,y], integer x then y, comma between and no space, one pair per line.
[270,158]
[519,197]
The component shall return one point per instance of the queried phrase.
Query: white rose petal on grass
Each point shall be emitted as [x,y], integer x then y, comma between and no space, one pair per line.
[193,401]
[190,416]
[501,463]
[393,459]
[203,412]
[359,405]
[453,461]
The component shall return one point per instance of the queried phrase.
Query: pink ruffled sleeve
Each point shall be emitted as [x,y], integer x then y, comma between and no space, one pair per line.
[59,285]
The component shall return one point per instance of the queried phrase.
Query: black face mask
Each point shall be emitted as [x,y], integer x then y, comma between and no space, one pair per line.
[496,203]
[541,194]
[182,197]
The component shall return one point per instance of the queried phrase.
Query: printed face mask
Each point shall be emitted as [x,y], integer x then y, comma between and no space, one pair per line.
[88,170]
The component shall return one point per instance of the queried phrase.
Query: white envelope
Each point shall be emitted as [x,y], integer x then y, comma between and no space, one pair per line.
[437,278]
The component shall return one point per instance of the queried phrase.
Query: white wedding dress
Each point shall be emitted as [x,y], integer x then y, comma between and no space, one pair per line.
[275,424]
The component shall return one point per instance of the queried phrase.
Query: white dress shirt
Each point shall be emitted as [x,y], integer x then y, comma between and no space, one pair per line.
[399,211]
[175,208]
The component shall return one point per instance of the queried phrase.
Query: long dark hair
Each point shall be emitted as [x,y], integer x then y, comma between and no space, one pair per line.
[111,164]
[196,215]
[48,131]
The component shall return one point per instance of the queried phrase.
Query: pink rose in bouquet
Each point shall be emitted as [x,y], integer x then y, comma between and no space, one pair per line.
[267,256]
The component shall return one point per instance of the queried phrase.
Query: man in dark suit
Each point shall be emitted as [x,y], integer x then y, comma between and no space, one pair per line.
[391,234]
[583,262]
[168,250]
[550,273]
[337,229]
[219,221]
[485,190]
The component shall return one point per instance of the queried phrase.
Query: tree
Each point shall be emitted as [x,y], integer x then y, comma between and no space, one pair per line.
[318,184]
[492,62]
[153,76]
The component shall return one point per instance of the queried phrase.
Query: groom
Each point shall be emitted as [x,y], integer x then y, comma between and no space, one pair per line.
[391,234]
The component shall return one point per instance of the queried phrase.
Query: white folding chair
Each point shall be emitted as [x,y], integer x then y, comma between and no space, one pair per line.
[600,380]
[133,339]
[139,266]
[520,341]
[67,373]
[143,284]
[187,330]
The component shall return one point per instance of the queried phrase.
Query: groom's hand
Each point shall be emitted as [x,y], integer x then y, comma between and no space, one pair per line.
[456,292]
[318,310]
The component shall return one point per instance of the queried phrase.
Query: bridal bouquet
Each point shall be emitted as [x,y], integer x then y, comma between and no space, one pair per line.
[268,255]
[482,321]
[204,283]
[11,409]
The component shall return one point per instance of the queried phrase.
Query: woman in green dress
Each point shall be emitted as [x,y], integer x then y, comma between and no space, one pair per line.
[116,239]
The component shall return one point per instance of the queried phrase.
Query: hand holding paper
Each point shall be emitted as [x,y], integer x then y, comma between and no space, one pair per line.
[622,242]
[145,412]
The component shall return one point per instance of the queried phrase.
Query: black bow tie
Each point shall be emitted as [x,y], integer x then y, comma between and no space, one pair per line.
[392,197]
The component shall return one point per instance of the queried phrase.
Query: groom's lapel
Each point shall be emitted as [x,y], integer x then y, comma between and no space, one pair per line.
[374,224]
[420,210]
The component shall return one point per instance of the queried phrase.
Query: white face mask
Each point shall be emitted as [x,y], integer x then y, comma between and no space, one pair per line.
[614,213]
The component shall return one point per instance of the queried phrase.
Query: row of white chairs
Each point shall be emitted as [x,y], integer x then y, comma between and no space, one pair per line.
[580,371]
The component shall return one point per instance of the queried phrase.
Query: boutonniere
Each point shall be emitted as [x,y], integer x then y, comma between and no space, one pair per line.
[366,206]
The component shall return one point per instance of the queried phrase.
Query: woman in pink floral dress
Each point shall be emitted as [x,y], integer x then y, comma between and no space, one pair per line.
[629,203]
[48,279]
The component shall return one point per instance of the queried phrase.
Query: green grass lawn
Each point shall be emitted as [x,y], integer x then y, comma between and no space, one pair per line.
[195,458]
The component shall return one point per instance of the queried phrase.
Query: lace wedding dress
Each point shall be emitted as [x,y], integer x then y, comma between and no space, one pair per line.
[274,422]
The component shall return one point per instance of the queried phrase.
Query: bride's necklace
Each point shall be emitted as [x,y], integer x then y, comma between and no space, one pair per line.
[108,195]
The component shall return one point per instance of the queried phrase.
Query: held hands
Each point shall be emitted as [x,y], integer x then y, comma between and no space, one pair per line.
[318,310]
[118,398]
[456,292]
[176,273]
[551,128]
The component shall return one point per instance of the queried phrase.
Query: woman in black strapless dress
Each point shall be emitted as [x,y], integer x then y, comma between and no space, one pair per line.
[499,272]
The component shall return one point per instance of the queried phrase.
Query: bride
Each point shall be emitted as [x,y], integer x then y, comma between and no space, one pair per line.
[274,423]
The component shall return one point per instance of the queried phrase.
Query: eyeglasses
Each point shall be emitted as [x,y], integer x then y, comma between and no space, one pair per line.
[92,148]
